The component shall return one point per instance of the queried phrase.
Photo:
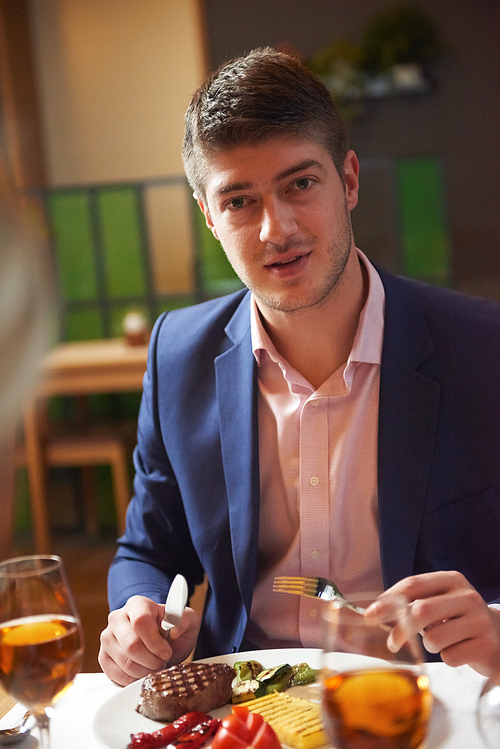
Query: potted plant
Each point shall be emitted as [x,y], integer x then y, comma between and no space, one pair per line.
[398,48]
[338,65]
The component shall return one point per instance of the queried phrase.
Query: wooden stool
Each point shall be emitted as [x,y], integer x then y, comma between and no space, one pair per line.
[43,450]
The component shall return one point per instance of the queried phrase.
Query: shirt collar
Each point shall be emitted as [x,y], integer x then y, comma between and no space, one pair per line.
[367,345]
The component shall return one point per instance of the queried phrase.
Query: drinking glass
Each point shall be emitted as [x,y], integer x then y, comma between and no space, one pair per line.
[488,712]
[41,642]
[373,698]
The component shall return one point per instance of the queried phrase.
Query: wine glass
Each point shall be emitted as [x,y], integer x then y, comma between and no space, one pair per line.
[41,642]
[371,697]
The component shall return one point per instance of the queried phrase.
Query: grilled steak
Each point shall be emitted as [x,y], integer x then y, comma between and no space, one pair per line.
[166,695]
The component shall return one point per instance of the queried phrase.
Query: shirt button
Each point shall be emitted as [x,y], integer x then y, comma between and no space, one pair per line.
[314,481]
[315,554]
[313,613]
[314,403]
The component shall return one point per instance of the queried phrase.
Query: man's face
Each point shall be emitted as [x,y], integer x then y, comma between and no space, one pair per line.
[281,213]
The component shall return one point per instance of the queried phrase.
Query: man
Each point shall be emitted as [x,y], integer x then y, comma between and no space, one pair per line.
[333,420]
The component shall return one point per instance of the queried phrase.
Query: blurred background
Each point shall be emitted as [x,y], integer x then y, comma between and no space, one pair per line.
[92,97]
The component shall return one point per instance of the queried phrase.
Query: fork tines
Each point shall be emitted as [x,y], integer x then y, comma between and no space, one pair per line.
[300,586]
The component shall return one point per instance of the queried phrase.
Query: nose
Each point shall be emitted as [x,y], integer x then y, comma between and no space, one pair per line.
[277,222]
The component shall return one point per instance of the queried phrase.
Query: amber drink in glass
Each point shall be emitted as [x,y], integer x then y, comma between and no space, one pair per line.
[373,698]
[41,643]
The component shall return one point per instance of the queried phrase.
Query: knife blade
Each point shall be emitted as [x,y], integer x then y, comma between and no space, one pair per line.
[174,605]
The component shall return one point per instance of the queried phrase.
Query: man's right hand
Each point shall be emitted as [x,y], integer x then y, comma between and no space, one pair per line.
[132,645]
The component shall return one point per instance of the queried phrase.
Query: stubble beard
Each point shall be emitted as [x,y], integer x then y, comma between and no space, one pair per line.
[338,256]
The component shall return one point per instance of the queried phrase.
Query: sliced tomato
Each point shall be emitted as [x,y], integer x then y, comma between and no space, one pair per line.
[245,729]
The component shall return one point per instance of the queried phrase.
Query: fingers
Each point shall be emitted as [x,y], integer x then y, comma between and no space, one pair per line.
[429,584]
[131,644]
[189,621]
[391,611]
[122,671]
[434,598]
[183,638]
[472,637]
[453,619]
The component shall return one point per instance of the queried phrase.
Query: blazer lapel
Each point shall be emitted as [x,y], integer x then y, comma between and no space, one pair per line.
[408,415]
[236,380]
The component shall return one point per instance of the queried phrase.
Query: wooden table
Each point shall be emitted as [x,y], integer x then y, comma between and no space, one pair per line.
[107,366]
[81,368]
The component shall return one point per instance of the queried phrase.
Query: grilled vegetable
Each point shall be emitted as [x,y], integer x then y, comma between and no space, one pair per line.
[199,735]
[269,680]
[275,679]
[247,670]
[302,673]
[279,684]
[245,730]
[274,674]
[170,734]
[246,690]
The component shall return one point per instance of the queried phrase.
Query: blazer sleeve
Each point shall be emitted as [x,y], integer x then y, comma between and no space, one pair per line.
[156,544]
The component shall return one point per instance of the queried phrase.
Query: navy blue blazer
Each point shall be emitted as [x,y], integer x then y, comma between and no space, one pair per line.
[195,508]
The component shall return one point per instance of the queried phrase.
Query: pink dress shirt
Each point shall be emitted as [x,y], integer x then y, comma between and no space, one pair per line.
[318,478]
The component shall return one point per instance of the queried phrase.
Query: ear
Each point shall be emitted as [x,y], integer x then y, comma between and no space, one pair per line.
[351,179]
[208,218]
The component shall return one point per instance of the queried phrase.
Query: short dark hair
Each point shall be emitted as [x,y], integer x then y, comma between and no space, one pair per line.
[263,94]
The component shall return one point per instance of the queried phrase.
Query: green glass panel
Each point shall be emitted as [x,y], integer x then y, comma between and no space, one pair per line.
[100,406]
[217,274]
[60,408]
[72,231]
[84,325]
[129,404]
[424,233]
[121,240]
[168,303]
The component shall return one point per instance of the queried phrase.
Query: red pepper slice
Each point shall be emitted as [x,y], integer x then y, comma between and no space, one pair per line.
[199,735]
[169,734]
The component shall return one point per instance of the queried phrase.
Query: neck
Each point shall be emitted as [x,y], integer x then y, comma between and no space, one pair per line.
[318,340]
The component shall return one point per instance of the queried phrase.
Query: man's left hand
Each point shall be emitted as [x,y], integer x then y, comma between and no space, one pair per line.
[453,619]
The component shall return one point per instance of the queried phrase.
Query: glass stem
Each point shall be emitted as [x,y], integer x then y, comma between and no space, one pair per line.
[43,724]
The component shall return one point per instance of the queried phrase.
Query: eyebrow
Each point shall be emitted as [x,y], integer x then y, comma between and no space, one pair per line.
[238,186]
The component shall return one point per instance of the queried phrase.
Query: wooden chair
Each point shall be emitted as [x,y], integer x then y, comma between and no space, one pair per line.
[7,493]
[83,447]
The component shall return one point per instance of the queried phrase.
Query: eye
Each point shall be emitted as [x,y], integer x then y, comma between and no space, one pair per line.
[303,183]
[236,203]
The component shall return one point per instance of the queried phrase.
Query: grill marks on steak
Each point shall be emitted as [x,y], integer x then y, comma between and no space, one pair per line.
[166,695]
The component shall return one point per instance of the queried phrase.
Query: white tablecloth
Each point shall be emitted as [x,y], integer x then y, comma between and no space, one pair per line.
[453,725]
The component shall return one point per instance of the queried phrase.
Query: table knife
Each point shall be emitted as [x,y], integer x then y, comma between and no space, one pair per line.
[175,604]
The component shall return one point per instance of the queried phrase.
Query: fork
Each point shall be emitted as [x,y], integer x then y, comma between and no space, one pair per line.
[313,587]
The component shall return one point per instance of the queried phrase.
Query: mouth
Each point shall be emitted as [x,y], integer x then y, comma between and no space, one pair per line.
[293,259]
[289,268]
[289,261]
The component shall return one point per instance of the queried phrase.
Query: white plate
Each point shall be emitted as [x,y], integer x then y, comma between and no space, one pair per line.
[117,718]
